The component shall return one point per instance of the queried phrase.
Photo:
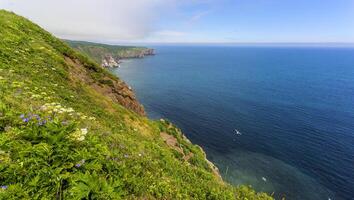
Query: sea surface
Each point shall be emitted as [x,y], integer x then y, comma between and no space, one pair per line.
[280,119]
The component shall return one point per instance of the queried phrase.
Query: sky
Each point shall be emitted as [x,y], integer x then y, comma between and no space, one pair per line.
[192,21]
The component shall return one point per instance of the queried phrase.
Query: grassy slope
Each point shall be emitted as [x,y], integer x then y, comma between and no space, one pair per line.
[45,151]
[97,51]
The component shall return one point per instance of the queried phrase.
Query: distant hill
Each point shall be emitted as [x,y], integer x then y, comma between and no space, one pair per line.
[109,55]
[69,129]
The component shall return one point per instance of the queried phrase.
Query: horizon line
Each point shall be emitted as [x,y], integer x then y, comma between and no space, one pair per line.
[328,44]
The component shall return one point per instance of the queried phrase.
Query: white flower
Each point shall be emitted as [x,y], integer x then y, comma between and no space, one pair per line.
[84,131]
[70,110]
[79,135]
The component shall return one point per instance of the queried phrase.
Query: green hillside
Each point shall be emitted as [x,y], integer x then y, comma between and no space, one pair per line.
[98,51]
[71,130]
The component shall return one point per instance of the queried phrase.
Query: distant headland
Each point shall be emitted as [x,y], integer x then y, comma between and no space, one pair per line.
[110,56]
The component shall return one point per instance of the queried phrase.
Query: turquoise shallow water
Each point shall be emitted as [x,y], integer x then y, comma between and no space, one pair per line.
[294,108]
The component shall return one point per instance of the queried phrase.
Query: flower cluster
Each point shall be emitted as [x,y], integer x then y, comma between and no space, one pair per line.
[79,134]
[35,118]
[56,108]
[4,187]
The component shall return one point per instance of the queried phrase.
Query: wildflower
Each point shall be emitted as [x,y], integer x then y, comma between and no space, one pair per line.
[69,110]
[41,123]
[79,135]
[22,116]
[4,187]
[79,164]
[84,131]
[81,138]
[44,108]
[37,117]
[25,120]
[139,154]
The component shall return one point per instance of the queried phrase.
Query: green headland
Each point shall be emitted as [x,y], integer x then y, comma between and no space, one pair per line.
[69,129]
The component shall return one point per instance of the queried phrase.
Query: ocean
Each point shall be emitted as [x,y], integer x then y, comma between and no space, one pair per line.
[280,119]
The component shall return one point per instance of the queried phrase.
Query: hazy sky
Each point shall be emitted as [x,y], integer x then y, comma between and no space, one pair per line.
[192,20]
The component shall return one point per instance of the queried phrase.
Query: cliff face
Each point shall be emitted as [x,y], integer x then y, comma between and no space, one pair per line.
[110,56]
[109,62]
[117,90]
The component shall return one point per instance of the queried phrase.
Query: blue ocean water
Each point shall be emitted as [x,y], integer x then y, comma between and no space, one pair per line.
[292,106]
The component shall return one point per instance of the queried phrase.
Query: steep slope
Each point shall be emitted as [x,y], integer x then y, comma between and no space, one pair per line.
[109,55]
[71,130]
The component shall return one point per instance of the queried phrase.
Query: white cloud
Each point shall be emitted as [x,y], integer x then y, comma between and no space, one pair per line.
[170,33]
[109,20]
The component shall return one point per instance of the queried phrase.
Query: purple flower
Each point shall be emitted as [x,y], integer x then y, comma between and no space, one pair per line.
[4,187]
[37,117]
[22,116]
[25,120]
[79,164]
[41,123]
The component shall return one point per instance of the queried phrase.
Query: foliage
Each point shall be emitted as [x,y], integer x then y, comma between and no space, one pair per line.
[61,139]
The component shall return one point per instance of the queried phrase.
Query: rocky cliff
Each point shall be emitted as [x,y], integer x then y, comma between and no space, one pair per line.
[109,62]
[110,55]
[109,86]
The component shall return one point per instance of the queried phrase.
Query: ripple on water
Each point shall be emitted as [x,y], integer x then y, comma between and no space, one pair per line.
[265,173]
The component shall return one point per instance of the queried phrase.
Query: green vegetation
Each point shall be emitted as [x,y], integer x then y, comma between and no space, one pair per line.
[98,51]
[60,138]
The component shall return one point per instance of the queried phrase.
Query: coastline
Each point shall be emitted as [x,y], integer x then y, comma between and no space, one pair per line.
[222,145]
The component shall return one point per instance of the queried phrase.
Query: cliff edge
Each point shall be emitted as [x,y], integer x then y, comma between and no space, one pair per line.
[69,129]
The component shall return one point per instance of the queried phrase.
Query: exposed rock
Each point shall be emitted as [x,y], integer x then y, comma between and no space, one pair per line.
[116,89]
[109,62]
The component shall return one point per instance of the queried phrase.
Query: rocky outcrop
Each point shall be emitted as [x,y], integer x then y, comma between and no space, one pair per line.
[117,90]
[112,61]
[109,62]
